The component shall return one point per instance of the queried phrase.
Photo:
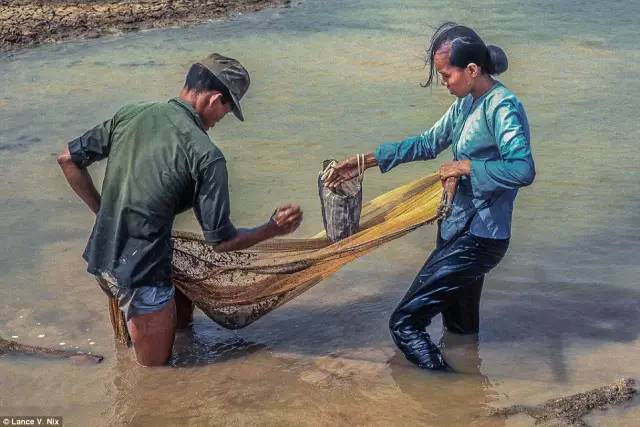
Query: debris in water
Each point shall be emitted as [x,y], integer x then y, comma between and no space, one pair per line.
[568,411]
[12,347]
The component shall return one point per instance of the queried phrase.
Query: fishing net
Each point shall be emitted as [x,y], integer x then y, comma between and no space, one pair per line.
[236,288]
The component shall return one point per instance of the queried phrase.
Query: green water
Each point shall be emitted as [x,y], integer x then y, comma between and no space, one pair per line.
[330,79]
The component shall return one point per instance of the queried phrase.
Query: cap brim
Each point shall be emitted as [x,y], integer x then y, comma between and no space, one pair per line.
[237,111]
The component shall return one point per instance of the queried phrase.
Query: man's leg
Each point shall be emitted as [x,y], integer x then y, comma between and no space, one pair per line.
[151,321]
[152,335]
[184,310]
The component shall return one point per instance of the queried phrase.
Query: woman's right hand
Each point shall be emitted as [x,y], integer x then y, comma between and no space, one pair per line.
[348,169]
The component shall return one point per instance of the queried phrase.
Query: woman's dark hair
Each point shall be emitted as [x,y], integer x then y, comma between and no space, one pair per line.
[200,79]
[466,47]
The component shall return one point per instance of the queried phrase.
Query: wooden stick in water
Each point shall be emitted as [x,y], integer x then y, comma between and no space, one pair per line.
[571,409]
[13,347]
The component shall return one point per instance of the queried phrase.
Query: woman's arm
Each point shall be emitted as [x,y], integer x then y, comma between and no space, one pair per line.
[387,156]
[515,168]
[421,147]
[349,169]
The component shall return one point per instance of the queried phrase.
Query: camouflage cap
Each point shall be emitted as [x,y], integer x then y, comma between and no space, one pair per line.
[232,75]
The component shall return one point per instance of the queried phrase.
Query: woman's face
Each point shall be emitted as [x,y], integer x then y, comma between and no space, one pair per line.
[458,80]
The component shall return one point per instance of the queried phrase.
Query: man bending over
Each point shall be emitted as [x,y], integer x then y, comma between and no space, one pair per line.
[161,162]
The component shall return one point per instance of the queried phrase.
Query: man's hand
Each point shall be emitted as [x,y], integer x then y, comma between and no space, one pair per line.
[286,219]
[348,169]
[454,169]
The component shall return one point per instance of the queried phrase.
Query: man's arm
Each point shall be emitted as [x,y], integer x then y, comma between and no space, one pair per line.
[212,209]
[92,146]
[79,180]
[285,220]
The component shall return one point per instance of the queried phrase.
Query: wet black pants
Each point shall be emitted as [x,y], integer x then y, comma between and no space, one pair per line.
[450,282]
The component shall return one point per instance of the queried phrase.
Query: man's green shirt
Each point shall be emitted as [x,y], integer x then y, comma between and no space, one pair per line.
[160,162]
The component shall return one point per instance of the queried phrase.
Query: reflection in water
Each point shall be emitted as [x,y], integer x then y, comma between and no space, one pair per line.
[543,316]
[452,399]
[462,352]
[189,351]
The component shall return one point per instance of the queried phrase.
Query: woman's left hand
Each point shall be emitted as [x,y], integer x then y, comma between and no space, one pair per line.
[455,169]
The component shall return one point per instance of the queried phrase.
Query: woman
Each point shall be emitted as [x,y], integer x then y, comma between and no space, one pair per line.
[488,132]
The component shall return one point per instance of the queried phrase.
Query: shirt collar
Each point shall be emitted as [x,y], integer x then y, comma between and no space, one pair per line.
[192,112]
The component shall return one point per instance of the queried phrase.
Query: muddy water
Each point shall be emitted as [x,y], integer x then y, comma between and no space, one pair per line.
[332,78]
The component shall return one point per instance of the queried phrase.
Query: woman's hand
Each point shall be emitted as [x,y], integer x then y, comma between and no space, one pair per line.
[454,169]
[348,169]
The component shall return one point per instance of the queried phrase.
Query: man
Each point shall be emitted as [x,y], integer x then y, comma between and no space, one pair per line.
[160,162]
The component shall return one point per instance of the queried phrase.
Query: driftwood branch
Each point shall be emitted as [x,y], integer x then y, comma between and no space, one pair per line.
[569,411]
[13,347]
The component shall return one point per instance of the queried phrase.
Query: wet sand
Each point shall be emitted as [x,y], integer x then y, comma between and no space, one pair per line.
[26,23]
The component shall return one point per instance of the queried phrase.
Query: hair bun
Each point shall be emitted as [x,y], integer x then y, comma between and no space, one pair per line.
[499,62]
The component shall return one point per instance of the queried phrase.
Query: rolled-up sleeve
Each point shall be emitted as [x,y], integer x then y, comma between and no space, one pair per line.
[515,168]
[421,147]
[211,204]
[92,146]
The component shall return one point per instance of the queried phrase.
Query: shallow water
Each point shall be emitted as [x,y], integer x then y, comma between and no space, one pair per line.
[332,78]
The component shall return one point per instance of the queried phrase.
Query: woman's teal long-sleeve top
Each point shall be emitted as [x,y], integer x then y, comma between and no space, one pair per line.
[493,133]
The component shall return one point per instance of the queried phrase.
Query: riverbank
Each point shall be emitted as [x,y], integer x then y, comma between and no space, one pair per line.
[26,23]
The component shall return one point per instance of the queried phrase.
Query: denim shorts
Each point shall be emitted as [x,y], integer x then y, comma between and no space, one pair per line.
[145,299]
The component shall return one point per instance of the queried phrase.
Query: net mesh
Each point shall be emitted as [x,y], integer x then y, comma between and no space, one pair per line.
[236,288]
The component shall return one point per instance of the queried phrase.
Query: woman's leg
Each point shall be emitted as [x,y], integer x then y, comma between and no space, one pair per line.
[451,270]
[462,316]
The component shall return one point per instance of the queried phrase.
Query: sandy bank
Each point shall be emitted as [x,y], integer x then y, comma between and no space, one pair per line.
[29,23]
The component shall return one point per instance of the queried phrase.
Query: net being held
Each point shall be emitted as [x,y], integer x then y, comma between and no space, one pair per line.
[236,288]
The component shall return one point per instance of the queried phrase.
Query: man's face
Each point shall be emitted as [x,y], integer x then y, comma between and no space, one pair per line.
[214,110]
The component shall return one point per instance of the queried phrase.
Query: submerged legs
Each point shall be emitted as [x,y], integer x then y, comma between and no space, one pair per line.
[450,282]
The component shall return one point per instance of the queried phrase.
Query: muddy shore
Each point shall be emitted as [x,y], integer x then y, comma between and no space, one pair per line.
[26,23]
